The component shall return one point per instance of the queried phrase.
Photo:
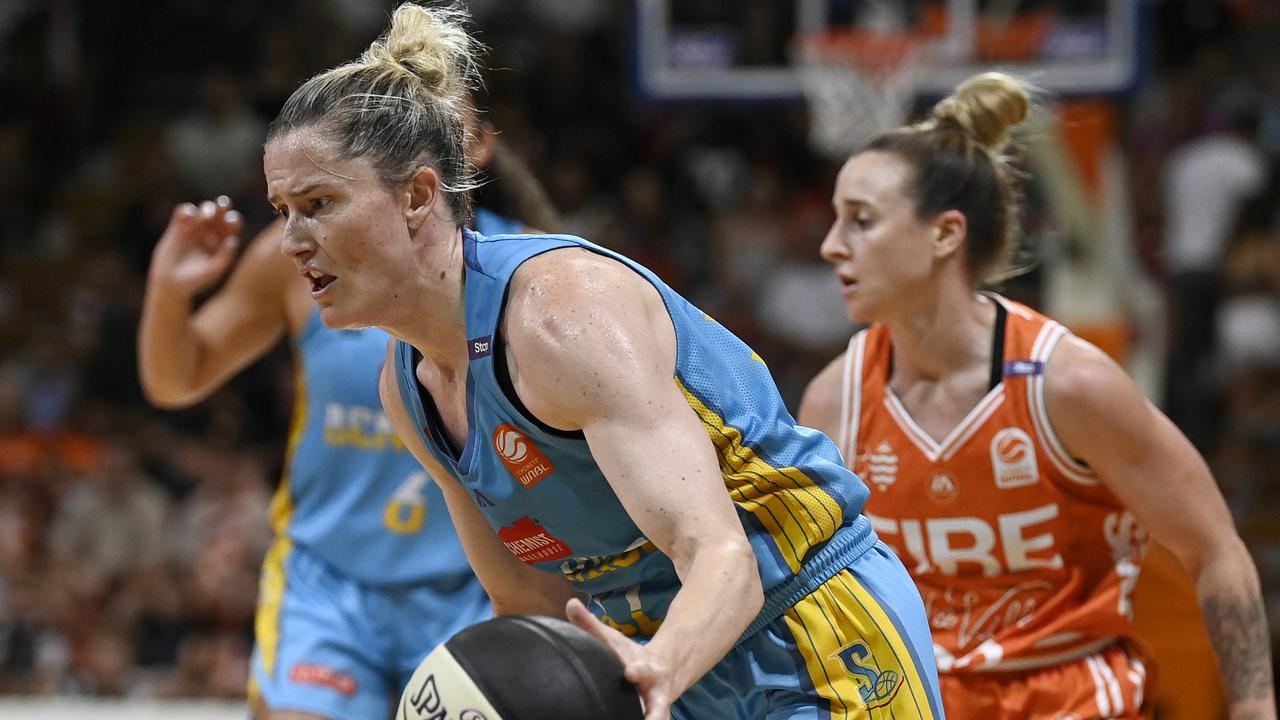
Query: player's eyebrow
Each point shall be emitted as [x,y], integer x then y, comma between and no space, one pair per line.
[849,203]
[302,190]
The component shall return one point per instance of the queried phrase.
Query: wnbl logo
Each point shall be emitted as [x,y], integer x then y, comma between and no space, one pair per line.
[1013,459]
[876,686]
[521,456]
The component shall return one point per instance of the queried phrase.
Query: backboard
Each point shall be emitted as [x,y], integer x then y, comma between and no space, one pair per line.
[744,49]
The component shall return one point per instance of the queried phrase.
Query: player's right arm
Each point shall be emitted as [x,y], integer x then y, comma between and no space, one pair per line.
[514,588]
[184,354]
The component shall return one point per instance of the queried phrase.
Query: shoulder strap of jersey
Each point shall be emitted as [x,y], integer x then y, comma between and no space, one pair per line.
[1051,333]
[851,395]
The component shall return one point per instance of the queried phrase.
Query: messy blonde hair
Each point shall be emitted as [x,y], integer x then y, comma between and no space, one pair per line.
[402,104]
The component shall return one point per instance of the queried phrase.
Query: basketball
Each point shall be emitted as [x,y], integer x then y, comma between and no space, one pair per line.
[520,668]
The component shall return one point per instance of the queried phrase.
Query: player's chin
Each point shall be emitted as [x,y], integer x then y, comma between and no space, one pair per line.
[859,311]
[337,317]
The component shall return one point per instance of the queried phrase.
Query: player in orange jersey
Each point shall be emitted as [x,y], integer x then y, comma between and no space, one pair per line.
[1016,470]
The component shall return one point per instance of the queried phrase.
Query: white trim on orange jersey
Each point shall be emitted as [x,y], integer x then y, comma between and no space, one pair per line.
[851,397]
[1069,467]
[940,451]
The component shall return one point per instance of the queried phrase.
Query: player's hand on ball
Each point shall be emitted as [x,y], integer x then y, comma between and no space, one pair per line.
[644,669]
[197,247]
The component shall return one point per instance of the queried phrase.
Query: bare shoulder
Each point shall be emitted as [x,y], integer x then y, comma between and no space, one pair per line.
[1078,374]
[563,299]
[572,274]
[1092,403]
[582,329]
[820,405]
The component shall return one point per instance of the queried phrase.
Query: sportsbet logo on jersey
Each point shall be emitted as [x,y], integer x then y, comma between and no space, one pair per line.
[521,456]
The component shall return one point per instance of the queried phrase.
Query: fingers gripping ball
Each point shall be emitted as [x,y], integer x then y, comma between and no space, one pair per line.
[520,668]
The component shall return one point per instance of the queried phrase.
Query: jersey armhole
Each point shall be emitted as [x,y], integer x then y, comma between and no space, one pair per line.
[1074,470]
[502,375]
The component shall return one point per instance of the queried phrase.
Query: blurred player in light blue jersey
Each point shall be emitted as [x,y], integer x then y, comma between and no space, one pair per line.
[593,433]
[366,574]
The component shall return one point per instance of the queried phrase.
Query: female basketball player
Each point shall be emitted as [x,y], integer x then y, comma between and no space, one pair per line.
[592,431]
[367,574]
[1014,467]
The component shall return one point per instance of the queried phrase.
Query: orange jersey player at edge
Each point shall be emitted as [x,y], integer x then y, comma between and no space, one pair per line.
[1015,468]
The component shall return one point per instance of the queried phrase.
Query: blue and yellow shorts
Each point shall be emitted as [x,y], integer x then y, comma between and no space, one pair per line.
[856,647]
[339,648]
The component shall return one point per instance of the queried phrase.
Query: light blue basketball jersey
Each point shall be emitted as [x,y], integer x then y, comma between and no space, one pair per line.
[548,501]
[352,493]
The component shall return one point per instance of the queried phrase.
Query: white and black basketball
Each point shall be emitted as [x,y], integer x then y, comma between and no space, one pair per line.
[520,668]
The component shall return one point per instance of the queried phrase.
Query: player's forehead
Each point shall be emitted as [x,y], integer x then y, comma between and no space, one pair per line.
[297,161]
[871,176]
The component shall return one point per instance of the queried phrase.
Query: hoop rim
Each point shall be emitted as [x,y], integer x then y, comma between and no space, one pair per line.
[868,51]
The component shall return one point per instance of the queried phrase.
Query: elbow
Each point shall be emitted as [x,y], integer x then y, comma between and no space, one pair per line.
[166,398]
[740,570]
[754,592]
[1226,561]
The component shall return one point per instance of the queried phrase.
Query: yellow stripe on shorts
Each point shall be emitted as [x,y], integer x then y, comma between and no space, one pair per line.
[266,622]
[856,659]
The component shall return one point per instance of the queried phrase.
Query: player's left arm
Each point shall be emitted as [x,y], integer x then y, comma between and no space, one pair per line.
[593,348]
[1104,420]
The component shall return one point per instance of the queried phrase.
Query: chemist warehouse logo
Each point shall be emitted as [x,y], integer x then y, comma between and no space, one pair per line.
[528,540]
[525,461]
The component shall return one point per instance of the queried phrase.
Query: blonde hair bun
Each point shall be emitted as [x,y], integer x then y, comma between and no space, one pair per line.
[432,44]
[986,105]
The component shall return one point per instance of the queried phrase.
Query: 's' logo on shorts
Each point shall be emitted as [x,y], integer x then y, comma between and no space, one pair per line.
[877,687]
[313,674]
[525,461]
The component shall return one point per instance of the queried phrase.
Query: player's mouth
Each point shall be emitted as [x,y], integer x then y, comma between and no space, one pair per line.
[320,282]
[848,285]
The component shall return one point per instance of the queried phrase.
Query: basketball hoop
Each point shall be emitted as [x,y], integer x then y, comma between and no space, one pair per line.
[857,84]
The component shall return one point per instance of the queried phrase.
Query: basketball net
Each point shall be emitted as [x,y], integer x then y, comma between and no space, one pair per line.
[857,84]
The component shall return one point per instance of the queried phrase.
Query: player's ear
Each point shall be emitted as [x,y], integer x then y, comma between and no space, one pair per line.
[424,193]
[950,228]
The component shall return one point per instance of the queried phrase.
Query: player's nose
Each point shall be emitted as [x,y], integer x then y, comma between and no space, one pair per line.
[295,241]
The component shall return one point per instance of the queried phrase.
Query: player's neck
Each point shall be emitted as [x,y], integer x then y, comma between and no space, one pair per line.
[947,332]
[432,317]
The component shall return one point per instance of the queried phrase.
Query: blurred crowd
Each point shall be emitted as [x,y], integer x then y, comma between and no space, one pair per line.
[130,538]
